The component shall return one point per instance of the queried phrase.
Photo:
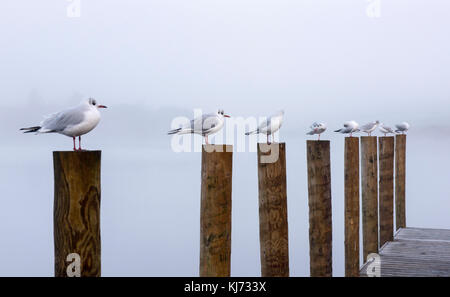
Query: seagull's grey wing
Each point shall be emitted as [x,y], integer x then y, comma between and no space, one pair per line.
[204,123]
[367,126]
[210,122]
[265,126]
[57,122]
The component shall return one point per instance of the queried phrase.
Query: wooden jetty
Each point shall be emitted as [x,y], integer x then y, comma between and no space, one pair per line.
[414,252]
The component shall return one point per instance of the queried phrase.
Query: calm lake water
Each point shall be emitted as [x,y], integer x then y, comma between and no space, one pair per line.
[151,207]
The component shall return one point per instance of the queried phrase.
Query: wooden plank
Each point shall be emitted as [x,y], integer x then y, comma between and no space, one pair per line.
[386,189]
[76,213]
[215,212]
[273,221]
[423,234]
[319,202]
[351,168]
[415,252]
[400,181]
[369,190]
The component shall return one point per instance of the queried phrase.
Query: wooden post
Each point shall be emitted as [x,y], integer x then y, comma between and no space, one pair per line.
[386,147]
[215,212]
[319,200]
[76,214]
[351,168]
[273,223]
[369,176]
[400,180]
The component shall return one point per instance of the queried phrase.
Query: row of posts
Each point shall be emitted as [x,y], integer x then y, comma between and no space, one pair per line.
[77,206]
[377,199]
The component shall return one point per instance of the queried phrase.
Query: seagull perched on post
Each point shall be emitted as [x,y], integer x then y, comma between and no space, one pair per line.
[270,126]
[72,122]
[317,128]
[350,127]
[385,129]
[370,127]
[402,127]
[204,125]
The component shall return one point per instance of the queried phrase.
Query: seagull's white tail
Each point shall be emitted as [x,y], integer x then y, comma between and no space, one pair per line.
[31,129]
[180,131]
[174,131]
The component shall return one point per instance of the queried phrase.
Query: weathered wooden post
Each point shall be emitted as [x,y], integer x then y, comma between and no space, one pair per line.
[369,176]
[386,188]
[215,211]
[351,168]
[273,223]
[319,200]
[76,214]
[400,181]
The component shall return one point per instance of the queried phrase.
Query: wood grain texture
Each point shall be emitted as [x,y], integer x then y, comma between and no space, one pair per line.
[215,212]
[77,211]
[415,252]
[351,168]
[273,222]
[400,181]
[369,188]
[386,188]
[319,200]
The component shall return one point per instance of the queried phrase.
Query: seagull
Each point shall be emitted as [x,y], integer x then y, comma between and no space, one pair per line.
[402,127]
[370,127]
[349,127]
[270,126]
[385,129]
[204,125]
[317,128]
[72,122]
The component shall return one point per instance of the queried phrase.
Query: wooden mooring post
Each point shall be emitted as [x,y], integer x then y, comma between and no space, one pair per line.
[386,188]
[369,180]
[215,211]
[319,200]
[400,180]
[76,213]
[273,222]
[351,168]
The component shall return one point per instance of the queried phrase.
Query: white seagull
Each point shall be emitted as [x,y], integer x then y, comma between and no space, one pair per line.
[317,128]
[385,129]
[72,122]
[270,126]
[402,127]
[350,127]
[204,125]
[370,127]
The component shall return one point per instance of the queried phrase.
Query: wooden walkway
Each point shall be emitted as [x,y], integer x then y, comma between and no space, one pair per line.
[415,252]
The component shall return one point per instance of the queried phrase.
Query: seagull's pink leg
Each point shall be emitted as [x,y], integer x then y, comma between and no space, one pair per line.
[74,147]
[319,136]
[79,143]
[206,139]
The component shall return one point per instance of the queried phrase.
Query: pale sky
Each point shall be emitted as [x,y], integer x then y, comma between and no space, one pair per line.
[299,55]
[150,61]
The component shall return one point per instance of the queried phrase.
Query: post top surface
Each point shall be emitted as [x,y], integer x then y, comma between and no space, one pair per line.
[76,152]
[219,148]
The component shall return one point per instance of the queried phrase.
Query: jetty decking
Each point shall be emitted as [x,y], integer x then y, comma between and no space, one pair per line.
[415,252]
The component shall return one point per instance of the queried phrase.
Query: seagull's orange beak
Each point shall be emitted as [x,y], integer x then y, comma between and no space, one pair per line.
[227,116]
[102,106]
